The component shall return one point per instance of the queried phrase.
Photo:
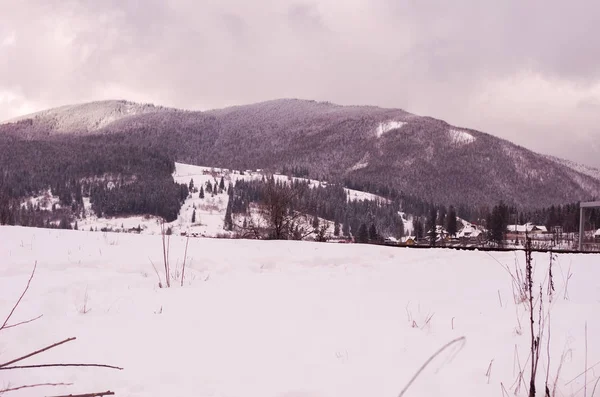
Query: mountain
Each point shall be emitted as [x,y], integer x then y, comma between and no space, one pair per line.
[82,118]
[369,148]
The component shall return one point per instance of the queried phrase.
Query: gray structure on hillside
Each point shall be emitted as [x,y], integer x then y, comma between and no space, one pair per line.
[582,207]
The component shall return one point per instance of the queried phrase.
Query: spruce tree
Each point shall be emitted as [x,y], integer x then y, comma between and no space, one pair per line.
[222,184]
[373,236]
[431,227]
[201,192]
[191,186]
[363,234]
[451,222]
[228,218]
[336,229]
[346,227]
[442,217]
[315,222]
[194,216]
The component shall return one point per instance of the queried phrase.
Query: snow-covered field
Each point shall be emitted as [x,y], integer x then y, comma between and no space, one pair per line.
[285,319]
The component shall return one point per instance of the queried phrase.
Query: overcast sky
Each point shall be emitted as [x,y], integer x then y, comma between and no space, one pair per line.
[527,71]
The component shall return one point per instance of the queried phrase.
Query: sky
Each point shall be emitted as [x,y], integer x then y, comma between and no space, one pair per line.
[527,71]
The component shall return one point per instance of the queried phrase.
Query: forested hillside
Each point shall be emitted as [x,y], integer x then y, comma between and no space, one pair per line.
[117,178]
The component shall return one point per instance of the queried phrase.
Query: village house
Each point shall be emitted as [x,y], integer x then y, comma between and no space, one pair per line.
[408,240]
[516,232]
[470,234]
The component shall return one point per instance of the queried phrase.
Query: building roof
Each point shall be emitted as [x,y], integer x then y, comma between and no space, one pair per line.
[597,234]
[469,231]
[528,227]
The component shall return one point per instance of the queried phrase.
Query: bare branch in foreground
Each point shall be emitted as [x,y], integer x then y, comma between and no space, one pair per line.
[101,394]
[36,352]
[35,385]
[23,322]
[60,365]
[20,298]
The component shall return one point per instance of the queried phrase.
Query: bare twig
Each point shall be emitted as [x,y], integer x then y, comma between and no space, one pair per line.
[504,392]
[157,275]
[583,373]
[430,359]
[101,394]
[60,365]
[35,385]
[184,258]
[488,374]
[20,298]
[23,322]
[36,352]
[165,254]
[586,363]
[427,320]
[595,384]
[562,360]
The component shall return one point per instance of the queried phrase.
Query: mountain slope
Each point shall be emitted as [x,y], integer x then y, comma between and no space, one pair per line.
[362,145]
[82,118]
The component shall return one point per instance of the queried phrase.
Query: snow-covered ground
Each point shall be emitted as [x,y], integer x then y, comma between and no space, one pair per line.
[460,137]
[388,126]
[285,319]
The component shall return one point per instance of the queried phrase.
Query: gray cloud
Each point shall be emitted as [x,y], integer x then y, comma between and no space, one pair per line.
[526,71]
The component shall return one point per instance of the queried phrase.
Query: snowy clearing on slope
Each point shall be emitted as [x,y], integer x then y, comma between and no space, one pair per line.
[388,126]
[281,318]
[460,137]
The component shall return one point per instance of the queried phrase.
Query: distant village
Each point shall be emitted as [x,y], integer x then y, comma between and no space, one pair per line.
[472,235]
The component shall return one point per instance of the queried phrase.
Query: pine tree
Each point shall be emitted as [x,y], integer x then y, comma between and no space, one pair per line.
[442,216]
[228,218]
[373,236]
[194,216]
[64,223]
[315,222]
[498,223]
[432,227]
[451,222]
[346,227]
[201,192]
[363,234]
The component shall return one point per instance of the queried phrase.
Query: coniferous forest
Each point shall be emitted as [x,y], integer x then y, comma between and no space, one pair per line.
[118,179]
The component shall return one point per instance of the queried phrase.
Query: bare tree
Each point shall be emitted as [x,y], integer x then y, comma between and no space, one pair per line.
[277,209]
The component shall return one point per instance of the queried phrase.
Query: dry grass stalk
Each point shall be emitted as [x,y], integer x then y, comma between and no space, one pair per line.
[488,374]
[461,340]
[184,258]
